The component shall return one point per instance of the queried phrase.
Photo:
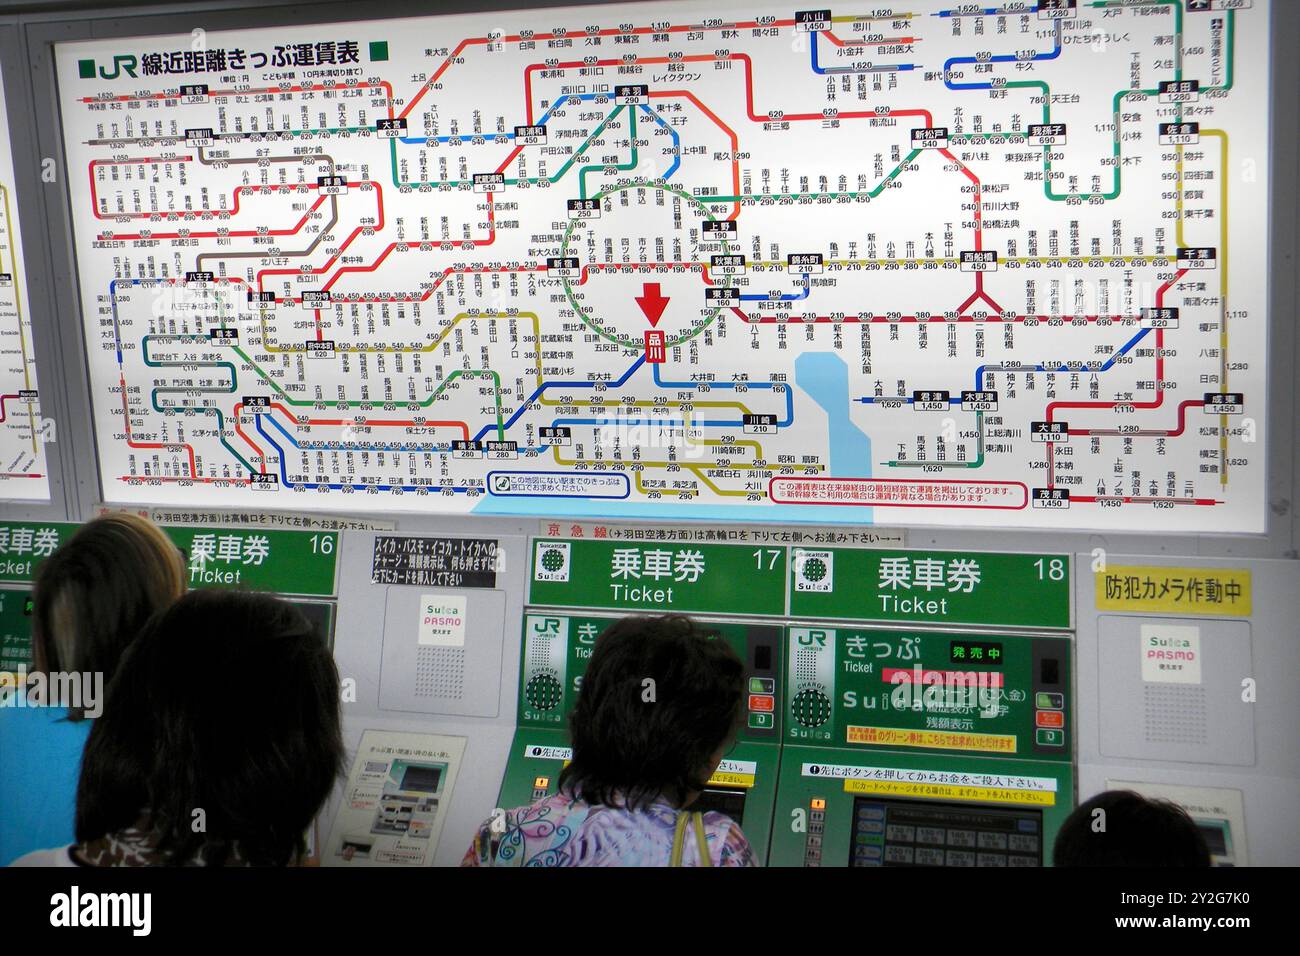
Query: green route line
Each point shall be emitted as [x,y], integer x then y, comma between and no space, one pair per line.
[584,312]
[631,164]
[1115,104]
[397,181]
[459,373]
[872,194]
[978,461]
[12,235]
[205,409]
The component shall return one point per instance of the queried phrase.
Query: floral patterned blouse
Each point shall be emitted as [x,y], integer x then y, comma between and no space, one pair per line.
[564,831]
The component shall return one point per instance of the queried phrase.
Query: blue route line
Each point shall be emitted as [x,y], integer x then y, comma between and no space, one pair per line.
[884,68]
[677,140]
[789,297]
[986,11]
[338,486]
[488,137]
[789,397]
[979,372]
[1007,58]
[545,385]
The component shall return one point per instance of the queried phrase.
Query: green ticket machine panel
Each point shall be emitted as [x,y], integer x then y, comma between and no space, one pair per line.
[557,646]
[15,631]
[923,748]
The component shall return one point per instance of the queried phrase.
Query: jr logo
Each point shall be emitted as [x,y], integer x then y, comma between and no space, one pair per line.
[813,639]
[122,63]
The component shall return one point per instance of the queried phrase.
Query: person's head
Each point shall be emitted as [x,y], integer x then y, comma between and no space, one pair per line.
[94,594]
[659,707]
[1123,828]
[225,711]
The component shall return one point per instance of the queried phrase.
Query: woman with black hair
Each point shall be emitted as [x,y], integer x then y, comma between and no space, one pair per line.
[179,771]
[661,704]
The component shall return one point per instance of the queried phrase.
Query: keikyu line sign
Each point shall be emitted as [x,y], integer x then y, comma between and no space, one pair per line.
[655,577]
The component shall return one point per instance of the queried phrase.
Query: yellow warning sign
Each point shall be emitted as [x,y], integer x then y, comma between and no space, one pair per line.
[726,779]
[1207,591]
[938,739]
[947,791]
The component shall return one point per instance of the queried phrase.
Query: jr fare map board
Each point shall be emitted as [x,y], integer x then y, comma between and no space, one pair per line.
[23,433]
[929,264]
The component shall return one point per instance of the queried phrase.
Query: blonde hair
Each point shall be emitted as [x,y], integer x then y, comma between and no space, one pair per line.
[95,593]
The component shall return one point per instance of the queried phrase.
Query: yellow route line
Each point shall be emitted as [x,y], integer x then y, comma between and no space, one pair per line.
[1222,136]
[695,468]
[12,234]
[537,335]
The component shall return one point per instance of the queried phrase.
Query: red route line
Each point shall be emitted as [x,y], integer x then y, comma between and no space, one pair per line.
[1130,499]
[240,233]
[207,481]
[166,446]
[904,319]
[711,58]
[19,474]
[1149,432]
[3,399]
[467,244]
[299,88]
[866,43]
[265,189]
[261,455]
[379,196]
[1160,392]
[516,38]
[396,422]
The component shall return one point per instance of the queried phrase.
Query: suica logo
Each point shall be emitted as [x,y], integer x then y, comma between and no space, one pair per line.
[102,909]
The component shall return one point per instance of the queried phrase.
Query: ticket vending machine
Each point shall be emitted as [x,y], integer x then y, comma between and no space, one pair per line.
[555,650]
[573,587]
[923,748]
[946,742]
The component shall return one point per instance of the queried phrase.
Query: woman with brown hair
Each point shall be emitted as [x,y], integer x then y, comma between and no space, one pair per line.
[91,599]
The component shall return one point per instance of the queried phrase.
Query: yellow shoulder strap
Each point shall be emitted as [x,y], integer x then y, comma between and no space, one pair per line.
[701,839]
[679,840]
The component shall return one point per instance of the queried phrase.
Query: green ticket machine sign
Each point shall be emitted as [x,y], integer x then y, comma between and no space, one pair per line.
[659,577]
[915,748]
[982,588]
[556,649]
[299,563]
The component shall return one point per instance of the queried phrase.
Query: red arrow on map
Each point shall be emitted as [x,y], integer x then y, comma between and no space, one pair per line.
[652,303]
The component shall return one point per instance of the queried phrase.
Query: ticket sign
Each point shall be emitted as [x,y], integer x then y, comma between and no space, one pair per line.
[932,587]
[288,562]
[25,544]
[997,696]
[659,577]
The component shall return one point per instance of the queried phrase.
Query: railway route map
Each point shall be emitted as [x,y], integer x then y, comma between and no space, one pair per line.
[916,263]
[23,431]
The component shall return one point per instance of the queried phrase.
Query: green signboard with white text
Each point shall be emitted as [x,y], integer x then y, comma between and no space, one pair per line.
[257,559]
[659,577]
[931,587]
[969,588]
